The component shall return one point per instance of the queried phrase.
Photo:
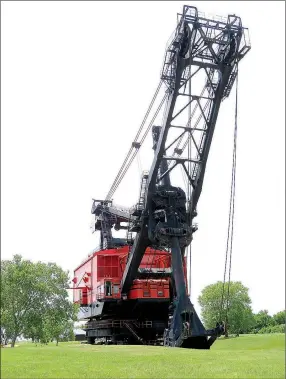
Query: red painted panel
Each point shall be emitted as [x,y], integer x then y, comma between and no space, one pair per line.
[109,265]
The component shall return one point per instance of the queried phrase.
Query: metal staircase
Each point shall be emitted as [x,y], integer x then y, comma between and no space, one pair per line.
[137,209]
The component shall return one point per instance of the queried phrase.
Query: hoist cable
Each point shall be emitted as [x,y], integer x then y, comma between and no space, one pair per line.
[233,201]
[154,118]
[230,229]
[123,168]
[112,191]
[227,247]
[135,140]
[149,109]
[122,173]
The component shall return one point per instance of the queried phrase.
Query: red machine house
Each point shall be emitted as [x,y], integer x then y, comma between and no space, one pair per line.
[98,277]
[96,288]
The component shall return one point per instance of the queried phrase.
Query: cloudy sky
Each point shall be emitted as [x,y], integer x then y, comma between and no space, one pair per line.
[77,78]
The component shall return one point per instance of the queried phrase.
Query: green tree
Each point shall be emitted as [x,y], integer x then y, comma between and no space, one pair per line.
[61,322]
[32,294]
[239,315]
[279,318]
[262,320]
[67,333]
[17,295]
[272,329]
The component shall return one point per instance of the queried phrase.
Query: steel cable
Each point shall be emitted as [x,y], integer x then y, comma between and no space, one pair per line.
[230,229]
[109,195]
[119,179]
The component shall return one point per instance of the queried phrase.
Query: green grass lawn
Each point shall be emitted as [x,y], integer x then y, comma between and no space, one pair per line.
[248,356]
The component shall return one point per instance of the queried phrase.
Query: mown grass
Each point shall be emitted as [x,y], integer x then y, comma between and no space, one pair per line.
[249,356]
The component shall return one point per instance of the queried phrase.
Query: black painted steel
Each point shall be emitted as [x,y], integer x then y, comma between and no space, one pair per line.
[200,49]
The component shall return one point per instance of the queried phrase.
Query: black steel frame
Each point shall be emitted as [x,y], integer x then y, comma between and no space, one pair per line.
[200,48]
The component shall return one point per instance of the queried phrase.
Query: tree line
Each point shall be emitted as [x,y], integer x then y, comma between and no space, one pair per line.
[34,304]
[233,306]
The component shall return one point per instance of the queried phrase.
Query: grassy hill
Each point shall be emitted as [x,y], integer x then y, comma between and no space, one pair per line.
[248,356]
